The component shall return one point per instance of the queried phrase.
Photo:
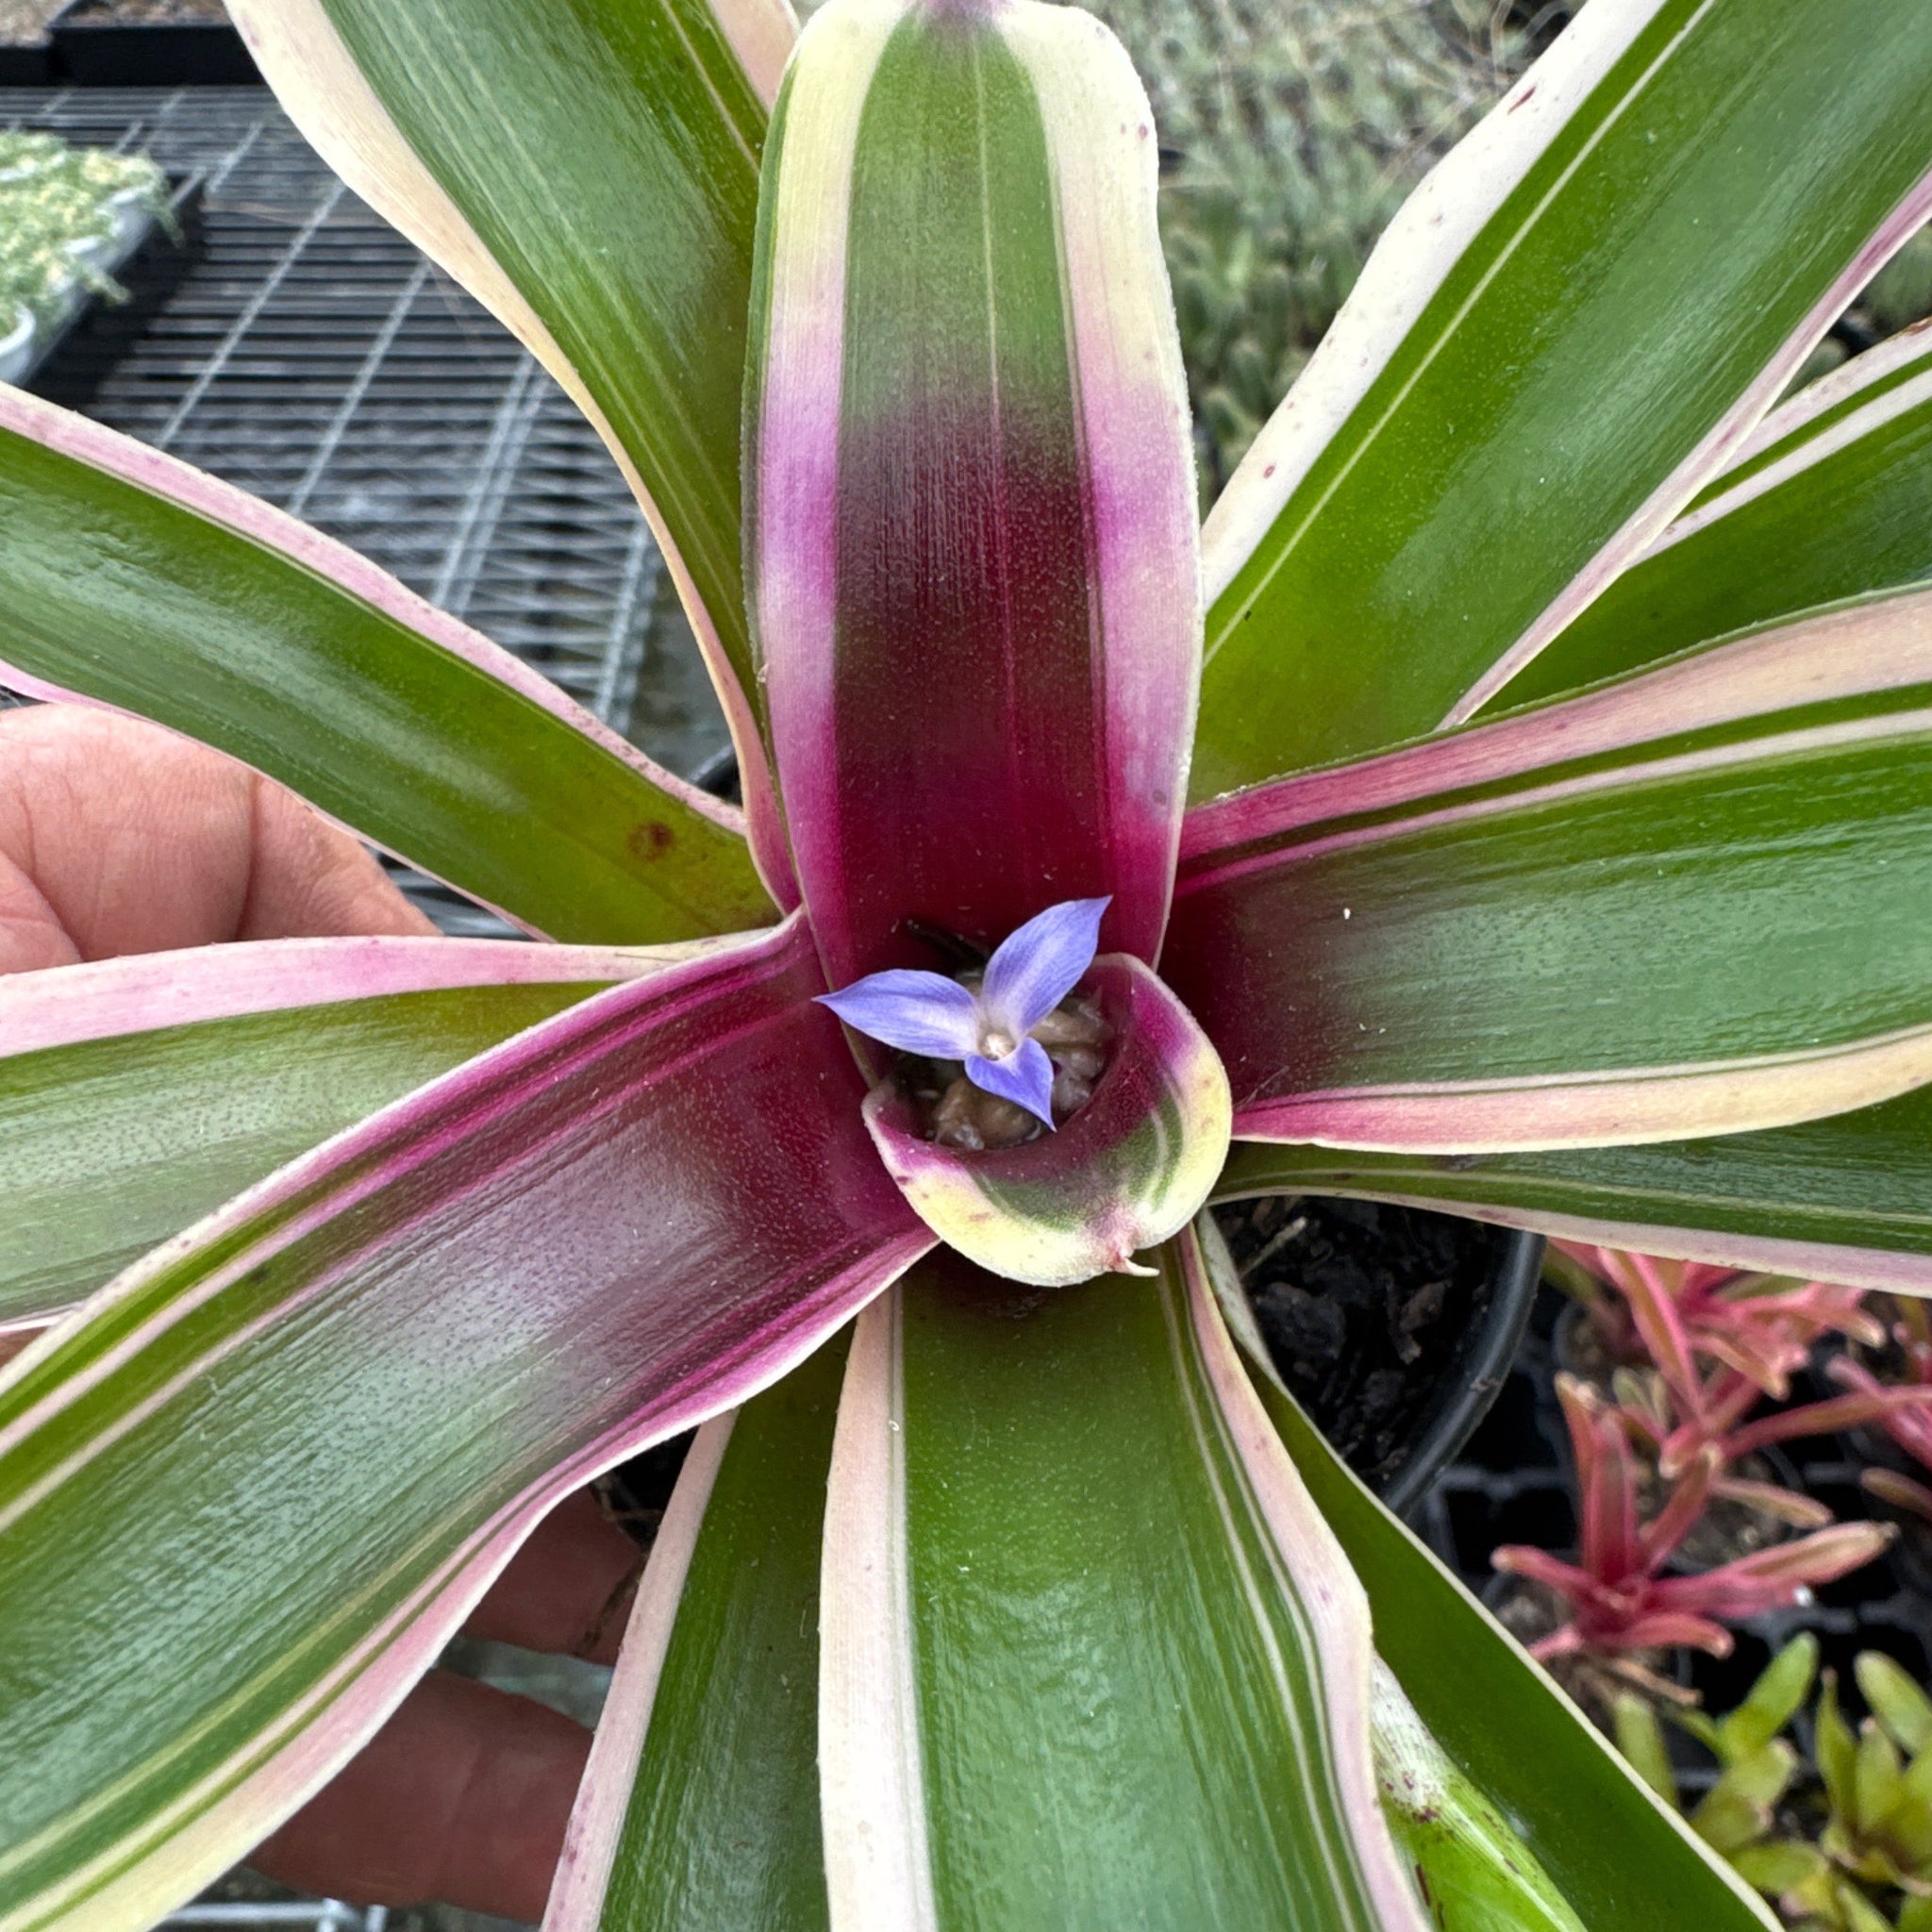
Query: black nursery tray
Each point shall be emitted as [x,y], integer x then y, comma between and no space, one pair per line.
[28,63]
[93,45]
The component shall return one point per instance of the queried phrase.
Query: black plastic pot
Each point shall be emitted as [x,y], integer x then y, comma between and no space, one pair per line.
[25,65]
[1395,1327]
[1475,1373]
[90,51]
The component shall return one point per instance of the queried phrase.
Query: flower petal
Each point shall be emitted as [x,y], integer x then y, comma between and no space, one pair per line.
[1123,1174]
[970,530]
[1035,968]
[1025,1078]
[917,1012]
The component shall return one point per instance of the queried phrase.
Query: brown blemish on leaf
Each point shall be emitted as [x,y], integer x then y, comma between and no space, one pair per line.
[650,839]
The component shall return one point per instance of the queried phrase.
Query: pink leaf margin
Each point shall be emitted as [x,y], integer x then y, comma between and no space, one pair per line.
[1870,648]
[1883,644]
[64,1006]
[318,82]
[1331,1594]
[1807,1260]
[1725,443]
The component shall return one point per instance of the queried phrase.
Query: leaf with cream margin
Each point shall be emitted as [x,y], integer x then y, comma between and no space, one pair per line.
[1569,327]
[588,170]
[1831,499]
[131,580]
[1471,1866]
[249,1490]
[1845,1199]
[700,1807]
[1129,1169]
[1088,1655]
[138,1095]
[1693,903]
[1625,1861]
[970,524]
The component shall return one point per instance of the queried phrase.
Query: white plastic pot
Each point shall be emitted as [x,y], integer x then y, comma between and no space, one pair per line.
[128,211]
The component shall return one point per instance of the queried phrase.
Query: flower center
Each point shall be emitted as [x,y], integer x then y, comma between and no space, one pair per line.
[962,1115]
[1002,1050]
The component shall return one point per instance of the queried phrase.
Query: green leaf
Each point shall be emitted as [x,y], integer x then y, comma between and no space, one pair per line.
[1474,1872]
[1860,1914]
[1876,1778]
[1557,342]
[1837,1753]
[1089,1656]
[700,1808]
[1623,1859]
[111,1145]
[137,582]
[1771,1702]
[1738,1808]
[1714,932]
[1833,501]
[1780,1866]
[249,1490]
[1843,1199]
[1641,1739]
[590,169]
[1897,1702]
[970,530]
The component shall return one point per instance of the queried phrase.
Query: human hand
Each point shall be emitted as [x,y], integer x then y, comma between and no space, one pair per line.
[117,837]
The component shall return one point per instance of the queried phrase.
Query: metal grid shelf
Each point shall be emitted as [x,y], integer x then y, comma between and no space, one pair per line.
[307,352]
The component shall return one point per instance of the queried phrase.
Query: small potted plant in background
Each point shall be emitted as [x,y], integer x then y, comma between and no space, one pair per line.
[69,217]
[1839,1834]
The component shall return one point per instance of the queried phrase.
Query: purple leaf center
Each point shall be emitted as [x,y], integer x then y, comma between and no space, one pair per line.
[989,1030]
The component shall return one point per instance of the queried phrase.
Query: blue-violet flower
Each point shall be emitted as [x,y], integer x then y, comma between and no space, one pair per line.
[989,1031]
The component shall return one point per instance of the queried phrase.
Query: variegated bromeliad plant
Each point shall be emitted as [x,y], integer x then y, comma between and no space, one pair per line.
[1557,713]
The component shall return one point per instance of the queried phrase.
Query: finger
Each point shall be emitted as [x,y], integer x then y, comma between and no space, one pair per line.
[567,1589]
[118,836]
[462,1796]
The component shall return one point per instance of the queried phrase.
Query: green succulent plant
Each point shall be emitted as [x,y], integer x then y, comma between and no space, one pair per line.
[52,196]
[1844,1844]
